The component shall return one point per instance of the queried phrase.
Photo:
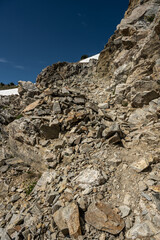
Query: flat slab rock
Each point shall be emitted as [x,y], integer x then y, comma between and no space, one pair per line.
[101,216]
[89,177]
[67,220]
[140,165]
[33,105]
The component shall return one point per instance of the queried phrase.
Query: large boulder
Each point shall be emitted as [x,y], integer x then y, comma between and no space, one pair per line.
[67,220]
[101,216]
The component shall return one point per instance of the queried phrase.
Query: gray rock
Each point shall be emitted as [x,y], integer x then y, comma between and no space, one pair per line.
[142,186]
[65,91]
[85,148]
[143,98]
[125,210]
[103,105]
[4,235]
[156,200]
[67,220]
[113,129]
[79,100]
[27,88]
[146,196]
[15,198]
[150,182]
[144,229]
[56,107]
[92,106]
[46,178]
[4,168]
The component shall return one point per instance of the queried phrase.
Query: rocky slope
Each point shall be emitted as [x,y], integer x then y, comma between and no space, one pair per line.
[79,150]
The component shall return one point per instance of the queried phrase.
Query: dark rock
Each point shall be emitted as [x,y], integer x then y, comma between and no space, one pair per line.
[50,132]
[114,139]
[141,99]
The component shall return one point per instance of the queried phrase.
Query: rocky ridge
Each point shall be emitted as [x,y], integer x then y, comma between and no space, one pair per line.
[76,166]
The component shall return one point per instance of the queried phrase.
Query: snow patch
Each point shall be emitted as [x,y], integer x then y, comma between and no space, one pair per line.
[93,57]
[12,91]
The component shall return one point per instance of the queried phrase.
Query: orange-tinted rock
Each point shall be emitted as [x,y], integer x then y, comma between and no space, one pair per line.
[101,216]
[33,105]
[67,220]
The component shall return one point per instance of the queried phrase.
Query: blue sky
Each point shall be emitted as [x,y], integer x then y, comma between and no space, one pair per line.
[38,33]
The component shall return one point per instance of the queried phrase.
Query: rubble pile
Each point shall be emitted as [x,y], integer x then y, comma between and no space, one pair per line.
[79,150]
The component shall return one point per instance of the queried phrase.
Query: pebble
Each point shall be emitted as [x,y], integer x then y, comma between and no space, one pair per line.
[146,196]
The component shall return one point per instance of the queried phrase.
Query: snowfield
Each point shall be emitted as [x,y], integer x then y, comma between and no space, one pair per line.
[87,59]
[9,92]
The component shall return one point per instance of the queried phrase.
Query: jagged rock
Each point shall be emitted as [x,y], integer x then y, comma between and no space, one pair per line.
[142,186]
[72,114]
[27,88]
[89,177]
[56,107]
[3,188]
[67,220]
[125,210]
[156,199]
[137,116]
[114,139]
[140,165]
[144,229]
[33,105]
[15,198]
[19,130]
[46,178]
[103,217]
[4,169]
[113,129]
[50,132]
[155,188]
[144,98]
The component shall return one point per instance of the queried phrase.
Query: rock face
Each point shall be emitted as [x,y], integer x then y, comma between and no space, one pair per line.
[79,150]
[132,54]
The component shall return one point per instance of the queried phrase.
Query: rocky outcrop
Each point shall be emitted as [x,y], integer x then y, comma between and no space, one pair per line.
[132,54]
[66,74]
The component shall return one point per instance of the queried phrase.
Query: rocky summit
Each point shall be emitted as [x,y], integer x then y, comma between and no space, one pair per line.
[80,149]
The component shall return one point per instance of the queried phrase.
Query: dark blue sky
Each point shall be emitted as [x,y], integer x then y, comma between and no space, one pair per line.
[38,33]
